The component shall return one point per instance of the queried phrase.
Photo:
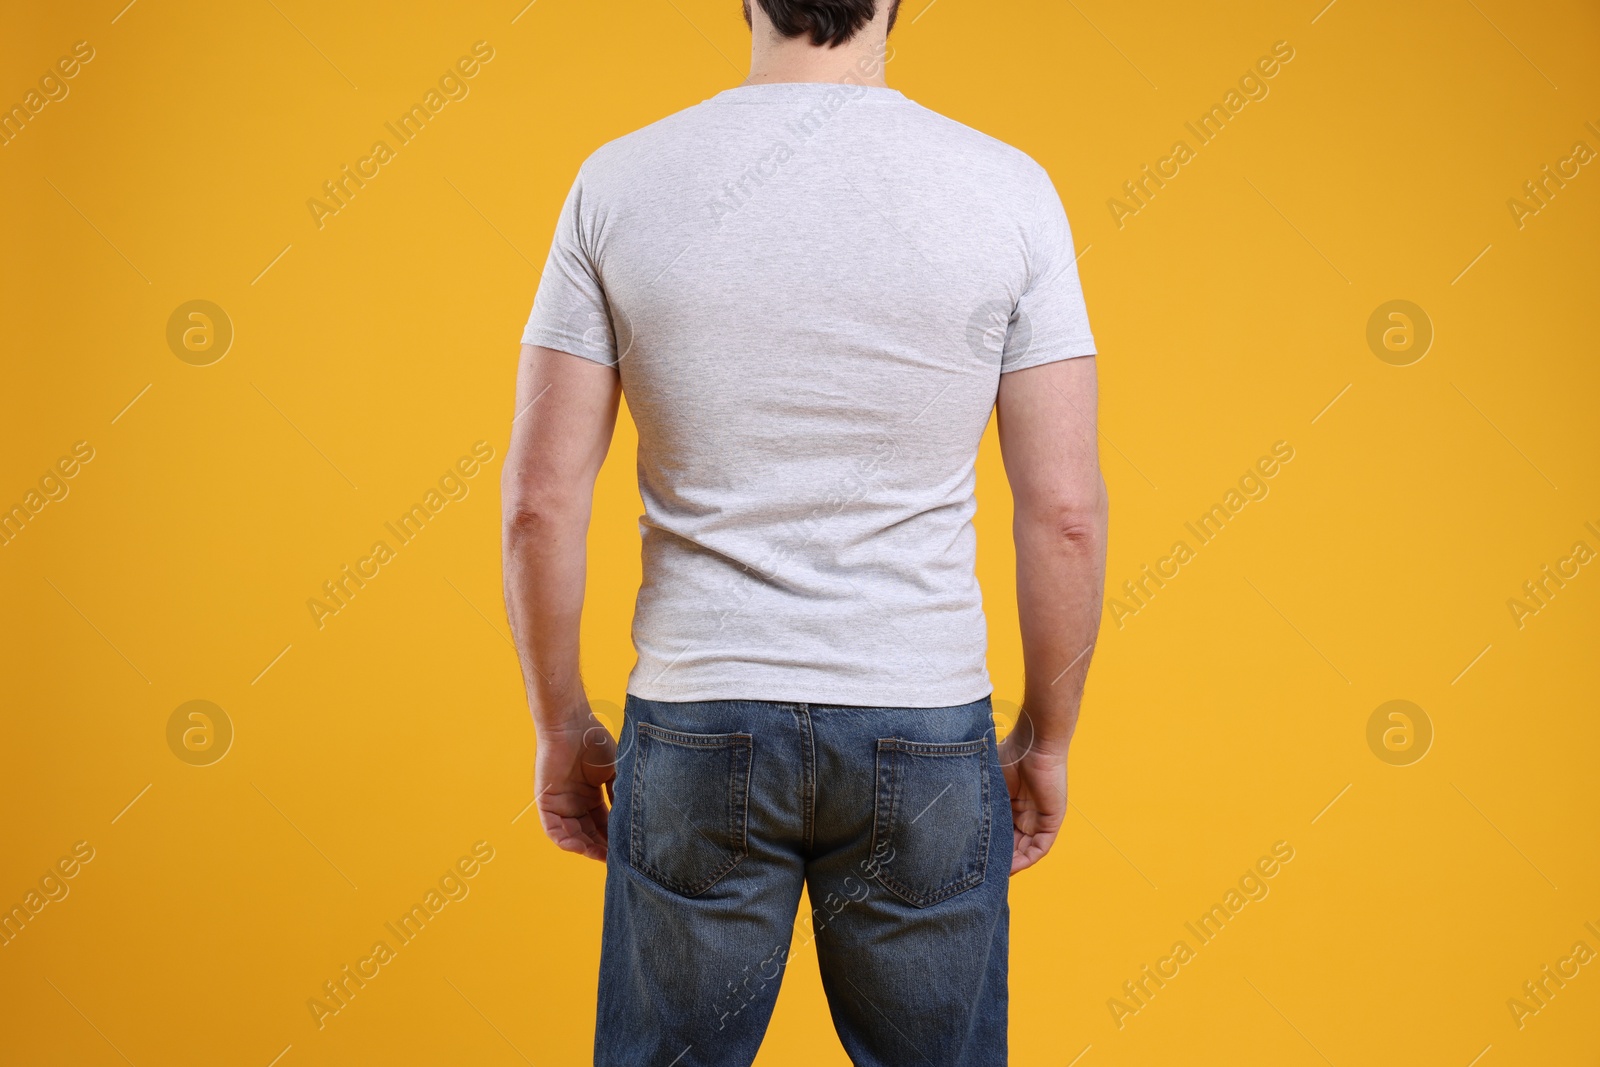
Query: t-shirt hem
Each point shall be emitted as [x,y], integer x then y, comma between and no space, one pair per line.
[834,693]
[1054,355]
[561,341]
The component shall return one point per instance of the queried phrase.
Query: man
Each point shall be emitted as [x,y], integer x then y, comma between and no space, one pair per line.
[813,293]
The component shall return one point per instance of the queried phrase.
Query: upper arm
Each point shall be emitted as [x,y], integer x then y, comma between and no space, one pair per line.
[1048,436]
[1049,322]
[565,412]
[571,312]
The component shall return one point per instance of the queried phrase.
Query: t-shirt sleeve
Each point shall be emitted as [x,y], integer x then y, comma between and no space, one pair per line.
[570,311]
[1051,322]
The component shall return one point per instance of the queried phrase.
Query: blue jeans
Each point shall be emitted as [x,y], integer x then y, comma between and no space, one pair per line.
[897,822]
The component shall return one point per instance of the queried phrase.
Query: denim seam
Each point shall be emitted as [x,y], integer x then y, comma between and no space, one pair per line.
[877,808]
[744,808]
[808,774]
[635,824]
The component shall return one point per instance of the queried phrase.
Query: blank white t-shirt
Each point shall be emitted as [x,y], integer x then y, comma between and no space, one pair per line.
[810,291]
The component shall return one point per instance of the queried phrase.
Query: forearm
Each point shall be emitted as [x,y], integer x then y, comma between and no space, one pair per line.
[545,562]
[1061,557]
[566,408]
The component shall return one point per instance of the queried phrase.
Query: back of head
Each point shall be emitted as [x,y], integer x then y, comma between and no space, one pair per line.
[825,22]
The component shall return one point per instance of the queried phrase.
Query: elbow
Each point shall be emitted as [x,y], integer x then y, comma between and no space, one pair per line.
[1075,521]
[1078,532]
[522,520]
[537,515]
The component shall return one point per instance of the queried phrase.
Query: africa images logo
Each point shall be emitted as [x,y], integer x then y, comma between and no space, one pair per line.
[452,85]
[1253,85]
[453,885]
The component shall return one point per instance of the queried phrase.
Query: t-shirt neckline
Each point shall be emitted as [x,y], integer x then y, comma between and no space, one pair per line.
[777,90]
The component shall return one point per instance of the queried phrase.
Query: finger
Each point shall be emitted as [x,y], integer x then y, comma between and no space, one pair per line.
[562,827]
[572,833]
[595,836]
[579,835]
[1021,861]
[1029,849]
[1038,828]
[1027,819]
[582,846]
[587,828]
[1013,777]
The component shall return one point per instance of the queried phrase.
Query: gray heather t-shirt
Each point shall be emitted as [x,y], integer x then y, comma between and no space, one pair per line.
[810,291]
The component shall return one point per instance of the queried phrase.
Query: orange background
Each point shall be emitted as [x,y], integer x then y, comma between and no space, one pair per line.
[368,355]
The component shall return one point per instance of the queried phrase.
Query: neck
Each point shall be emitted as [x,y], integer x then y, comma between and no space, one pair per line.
[859,60]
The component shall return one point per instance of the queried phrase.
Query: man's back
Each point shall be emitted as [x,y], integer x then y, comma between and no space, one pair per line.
[813,293]
[810,291]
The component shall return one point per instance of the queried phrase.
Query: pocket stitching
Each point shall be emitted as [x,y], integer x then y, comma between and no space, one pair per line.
[936,748]
[735,809]
[979,870]
[686,740]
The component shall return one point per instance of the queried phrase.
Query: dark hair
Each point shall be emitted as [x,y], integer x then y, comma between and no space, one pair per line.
[828,22]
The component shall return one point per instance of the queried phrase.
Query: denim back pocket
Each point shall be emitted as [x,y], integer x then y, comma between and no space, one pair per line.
[689,806]
[930,830]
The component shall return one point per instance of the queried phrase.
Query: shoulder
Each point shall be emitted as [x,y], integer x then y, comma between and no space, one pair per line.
[990,171]
[978,148]
[643,149]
